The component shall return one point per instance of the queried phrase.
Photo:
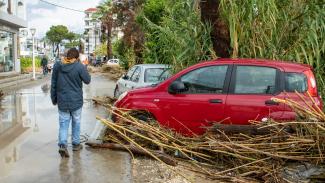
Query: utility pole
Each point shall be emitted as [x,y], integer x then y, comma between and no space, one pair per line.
[33,31]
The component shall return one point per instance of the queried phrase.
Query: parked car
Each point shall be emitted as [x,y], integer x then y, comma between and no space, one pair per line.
[113,61]
[229,91]
[141,76]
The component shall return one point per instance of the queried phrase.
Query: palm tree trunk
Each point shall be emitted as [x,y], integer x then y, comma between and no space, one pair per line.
[57,50]
[53,49]
[220,32]
[109,41]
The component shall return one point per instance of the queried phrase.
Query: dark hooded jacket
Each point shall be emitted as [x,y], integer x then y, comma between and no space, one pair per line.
[44,62]
[66,85]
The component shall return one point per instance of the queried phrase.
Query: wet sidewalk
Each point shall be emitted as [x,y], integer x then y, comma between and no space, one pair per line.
[28,140]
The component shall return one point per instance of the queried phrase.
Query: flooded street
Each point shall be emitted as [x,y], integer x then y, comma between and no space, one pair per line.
[28,140]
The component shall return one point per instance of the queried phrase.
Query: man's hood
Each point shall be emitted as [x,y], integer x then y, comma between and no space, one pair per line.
[68,67]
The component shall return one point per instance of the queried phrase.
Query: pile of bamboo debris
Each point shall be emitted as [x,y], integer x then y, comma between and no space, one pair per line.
[114,72]
[243,157]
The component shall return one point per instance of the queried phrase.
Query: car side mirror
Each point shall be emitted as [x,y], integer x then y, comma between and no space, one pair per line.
[176,87]
[125,77]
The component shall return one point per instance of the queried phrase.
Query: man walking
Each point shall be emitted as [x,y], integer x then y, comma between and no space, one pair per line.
[44,65]
[66,91]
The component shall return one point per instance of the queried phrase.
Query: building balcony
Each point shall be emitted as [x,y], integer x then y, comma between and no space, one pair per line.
[12,20]
[13,15]
[89,26]
[86,18]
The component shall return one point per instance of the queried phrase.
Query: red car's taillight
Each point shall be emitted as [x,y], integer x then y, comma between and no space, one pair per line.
[312,88]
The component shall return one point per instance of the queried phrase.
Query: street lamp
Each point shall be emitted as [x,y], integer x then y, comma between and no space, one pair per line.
[23,33]
[33,31]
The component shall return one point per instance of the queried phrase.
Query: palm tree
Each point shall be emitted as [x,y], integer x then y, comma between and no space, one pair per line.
[105,15]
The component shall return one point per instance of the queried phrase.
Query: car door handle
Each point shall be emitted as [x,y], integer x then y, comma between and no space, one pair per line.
[215,101]
[271,102]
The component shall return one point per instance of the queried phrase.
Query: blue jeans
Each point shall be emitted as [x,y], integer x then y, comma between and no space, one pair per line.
[64,118]
[45,70]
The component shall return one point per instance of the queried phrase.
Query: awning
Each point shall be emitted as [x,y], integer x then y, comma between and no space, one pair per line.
[12,21]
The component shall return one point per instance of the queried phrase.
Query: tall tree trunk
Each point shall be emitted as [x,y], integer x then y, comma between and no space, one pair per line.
[109,40]
[53,49]
[220,32]
[57,50]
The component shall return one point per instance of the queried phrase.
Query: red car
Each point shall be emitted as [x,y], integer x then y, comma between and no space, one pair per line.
[227,91]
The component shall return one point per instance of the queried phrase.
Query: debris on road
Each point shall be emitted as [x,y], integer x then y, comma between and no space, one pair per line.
[135,150]
[105,101]
[229,157]
[1,95]
[111,71]
[146,170]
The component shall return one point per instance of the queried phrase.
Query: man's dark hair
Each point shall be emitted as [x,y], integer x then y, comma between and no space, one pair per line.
[73,53]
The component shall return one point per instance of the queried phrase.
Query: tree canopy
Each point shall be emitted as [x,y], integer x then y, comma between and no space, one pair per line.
[58,33]
[184,32]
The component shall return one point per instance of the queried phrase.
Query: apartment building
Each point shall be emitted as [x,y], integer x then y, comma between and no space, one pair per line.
[12,18]
[92,31]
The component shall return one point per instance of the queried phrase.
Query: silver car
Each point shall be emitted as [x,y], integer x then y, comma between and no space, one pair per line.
[141,75]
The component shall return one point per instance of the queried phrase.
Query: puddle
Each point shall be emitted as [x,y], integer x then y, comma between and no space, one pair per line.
[28,136]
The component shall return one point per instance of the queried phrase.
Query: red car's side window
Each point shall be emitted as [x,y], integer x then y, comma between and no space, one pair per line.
[209,79]
[295,82]
[255,80]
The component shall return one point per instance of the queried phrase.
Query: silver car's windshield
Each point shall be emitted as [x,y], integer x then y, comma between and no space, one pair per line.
[152,75]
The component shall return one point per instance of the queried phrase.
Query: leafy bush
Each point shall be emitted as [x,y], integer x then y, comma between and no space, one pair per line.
[179,38]
[26,62]
[101,50]
[124,54]
[153,10]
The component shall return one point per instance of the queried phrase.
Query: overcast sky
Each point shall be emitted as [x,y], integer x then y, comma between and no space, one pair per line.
[42,16]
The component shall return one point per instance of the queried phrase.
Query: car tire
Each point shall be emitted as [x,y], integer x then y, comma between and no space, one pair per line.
[143,117]
[116,92]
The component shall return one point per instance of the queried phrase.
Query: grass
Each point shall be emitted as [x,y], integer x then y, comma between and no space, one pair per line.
[278,30]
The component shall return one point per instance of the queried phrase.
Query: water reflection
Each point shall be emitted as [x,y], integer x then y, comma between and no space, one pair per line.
[8,113]
[15,123]
[46,87]
[28,138]
[71,172]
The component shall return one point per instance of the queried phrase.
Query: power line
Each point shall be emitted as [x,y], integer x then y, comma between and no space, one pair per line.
[60,6]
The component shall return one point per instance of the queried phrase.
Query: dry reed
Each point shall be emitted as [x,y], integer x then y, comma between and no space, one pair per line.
[243,157]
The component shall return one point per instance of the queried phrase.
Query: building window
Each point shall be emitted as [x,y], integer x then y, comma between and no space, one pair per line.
[6,51]
[3,6]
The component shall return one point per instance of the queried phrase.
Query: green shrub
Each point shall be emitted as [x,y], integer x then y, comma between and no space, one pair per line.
[101,50]
[178,38]
[26,62]
[124,54]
